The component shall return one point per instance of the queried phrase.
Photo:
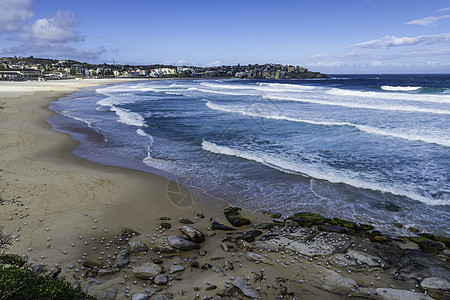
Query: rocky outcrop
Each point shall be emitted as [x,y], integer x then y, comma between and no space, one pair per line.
[147,270]
[181,244]
[193,234]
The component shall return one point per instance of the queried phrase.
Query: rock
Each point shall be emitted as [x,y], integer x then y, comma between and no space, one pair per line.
[381,239]
[233,216]
[38,268]
[211,287]
[186,221]
[107,294]
[315,247]
[228,265]
[290,223]
[256,257]
[104,272]
[201,252]
[224,247]
[176,268]
[244,288]
[160,279]
[195,264]
[122,258]
[140,296]
[181,244]
[194,235]
[390,294]
[248,236]
[438,288]
[164,218]
[265,225]
[267,245]
[137,247]
[93,281]
[165,250]
[157,261]
[332,228]
[147,270]
[124,236]
[206,266]
[431,247]
[331,281]
[165,225]
[92,264]
[359,259]
[217,269]
[218,226]
[272,214]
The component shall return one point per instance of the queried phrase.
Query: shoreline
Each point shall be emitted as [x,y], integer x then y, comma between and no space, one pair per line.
[52,199]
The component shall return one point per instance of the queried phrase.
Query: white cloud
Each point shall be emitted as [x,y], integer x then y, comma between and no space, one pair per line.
[445,9]
[52,32]
[13,14]
[213,64]
[428,21]
[437,64]
[392,41]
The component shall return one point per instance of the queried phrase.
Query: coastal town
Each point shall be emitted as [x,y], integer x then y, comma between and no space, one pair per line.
[30,68]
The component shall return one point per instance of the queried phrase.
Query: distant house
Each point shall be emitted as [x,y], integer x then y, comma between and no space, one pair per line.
[19,74]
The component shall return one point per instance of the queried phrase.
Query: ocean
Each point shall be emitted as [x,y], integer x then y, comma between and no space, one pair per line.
[368,148]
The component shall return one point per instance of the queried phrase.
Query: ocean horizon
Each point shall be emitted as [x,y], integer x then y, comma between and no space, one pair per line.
[367,148]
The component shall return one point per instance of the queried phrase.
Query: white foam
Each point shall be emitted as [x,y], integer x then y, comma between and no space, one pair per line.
[129,118]
[382,106]
[400,88]
[141,132]
[319,171]
[369,129]
[391,96]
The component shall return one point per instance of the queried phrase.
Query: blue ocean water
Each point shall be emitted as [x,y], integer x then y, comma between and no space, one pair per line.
[370,148]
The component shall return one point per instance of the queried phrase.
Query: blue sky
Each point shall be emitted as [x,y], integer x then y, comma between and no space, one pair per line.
[345,36]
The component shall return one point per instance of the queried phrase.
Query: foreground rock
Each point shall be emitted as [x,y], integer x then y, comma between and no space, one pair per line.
[182,244]
[437,287]
[193,234]
[233,216]
[244,288]
[147,270]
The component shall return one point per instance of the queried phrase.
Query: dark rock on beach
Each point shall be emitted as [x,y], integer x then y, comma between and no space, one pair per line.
[218,226]
[233,216]
[182,244]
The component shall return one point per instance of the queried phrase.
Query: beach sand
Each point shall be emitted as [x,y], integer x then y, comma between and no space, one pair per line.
[52,199]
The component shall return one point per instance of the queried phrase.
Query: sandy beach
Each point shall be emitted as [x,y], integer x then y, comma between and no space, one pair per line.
[64,211]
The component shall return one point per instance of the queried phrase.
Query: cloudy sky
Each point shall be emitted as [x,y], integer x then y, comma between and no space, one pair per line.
[345,36]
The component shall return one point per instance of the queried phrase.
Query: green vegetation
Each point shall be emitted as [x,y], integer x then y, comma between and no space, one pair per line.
[18,281]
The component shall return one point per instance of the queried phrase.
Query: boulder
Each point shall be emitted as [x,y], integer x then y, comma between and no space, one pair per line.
[331,281]
[176,268]
[160,279]
[124,236]
[256,257]
[233,216]
[122,258]
[147,270]
[218,226]
[181,244]
[248,236]
[137,247]
[107,294]
[332,228]
[240,283]
[436,287]
[193,234]
[431,247]
[140,296]
[390,294]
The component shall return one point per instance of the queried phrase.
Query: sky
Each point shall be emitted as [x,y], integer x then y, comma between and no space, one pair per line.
[329,36]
